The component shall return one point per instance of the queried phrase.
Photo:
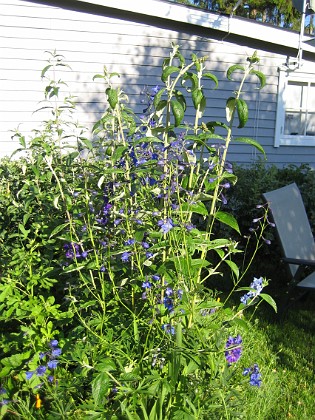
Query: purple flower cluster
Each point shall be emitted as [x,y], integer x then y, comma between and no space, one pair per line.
[233,349]
[51,362]
[166,225]
[257,286]
[254,375]
[169,329]
[74,250]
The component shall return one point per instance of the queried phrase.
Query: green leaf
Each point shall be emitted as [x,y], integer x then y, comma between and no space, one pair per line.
[190,368]
[196,97]
[58,229]
[178,112]
[261,77]
[87,143]
[100,387]
[251,142]
[232,69]
[112,97]
[98,76]
[182,415]
[158,97]
[161,105]
[181,99]
[203,105]
[192,77]
[227,219]
[212,77]
[45,69]
[270,300]
[119,151]
[181,58]
[198,208]
[199,263]
[242,112]
[240,323]
[167,71]
[16,360]
[23,230]
[229,108]
[106,365]
[233,267]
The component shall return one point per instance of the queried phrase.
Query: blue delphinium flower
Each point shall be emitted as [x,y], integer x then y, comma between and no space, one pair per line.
[130,241]
[29,374]
[5,402]
[168,328]
[234,349]
[125,256]
[52,364]
[257,286]
[180,294]
[41,370]
[166,225]
[255,375]
[53,343]
[146,285]
[56,351]
[51,358]
[168,303]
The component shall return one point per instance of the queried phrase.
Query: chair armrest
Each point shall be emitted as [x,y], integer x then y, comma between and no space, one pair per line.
[298,261]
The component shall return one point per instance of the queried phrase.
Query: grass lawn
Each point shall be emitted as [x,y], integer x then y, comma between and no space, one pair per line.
[292,339]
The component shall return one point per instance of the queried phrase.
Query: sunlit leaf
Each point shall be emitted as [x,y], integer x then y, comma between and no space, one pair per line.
[270,300]
[229,108]
[251,142]
[112,97]
[167,71]
[261,77]
[242,112]
[178,112]
[212,77]
[232,69]
[227,219]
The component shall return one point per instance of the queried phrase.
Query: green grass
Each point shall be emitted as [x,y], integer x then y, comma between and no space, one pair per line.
[290,382]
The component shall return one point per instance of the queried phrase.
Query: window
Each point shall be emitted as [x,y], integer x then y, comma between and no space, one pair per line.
[295,124]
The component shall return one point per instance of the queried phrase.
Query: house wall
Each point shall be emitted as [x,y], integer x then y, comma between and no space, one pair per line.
[136,51]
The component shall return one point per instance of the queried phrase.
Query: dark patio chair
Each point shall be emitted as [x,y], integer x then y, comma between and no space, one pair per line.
[295,234]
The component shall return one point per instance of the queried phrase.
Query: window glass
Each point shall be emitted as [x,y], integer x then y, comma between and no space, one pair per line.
[299,109]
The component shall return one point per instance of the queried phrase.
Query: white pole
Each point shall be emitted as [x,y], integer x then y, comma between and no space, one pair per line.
[300,53]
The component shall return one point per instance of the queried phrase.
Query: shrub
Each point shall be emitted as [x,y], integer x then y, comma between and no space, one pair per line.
[242,202]
[105,308]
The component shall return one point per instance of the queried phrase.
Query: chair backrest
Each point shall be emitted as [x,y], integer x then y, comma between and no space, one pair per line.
[292,223]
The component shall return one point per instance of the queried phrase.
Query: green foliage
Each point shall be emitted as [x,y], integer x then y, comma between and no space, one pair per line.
[246,194]
[277,12]
[102,257]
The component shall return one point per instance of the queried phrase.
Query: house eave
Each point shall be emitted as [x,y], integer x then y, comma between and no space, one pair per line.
[277,39]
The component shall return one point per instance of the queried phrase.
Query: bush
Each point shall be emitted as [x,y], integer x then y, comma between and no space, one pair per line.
[243,199]
[105,312]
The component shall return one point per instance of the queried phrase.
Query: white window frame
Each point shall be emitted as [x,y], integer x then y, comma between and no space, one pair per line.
[281,139]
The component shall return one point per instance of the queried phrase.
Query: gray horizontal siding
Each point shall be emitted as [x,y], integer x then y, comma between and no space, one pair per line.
[135,50]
